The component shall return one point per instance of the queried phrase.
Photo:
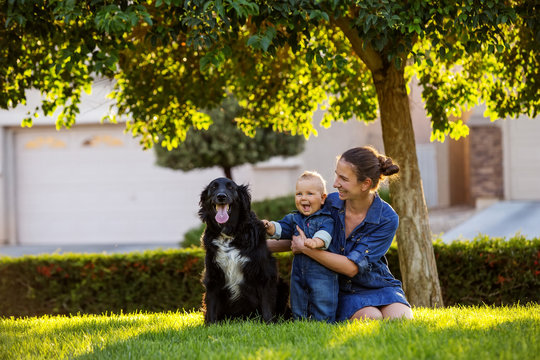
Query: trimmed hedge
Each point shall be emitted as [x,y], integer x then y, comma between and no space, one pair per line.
[72,283]
[492,271]
[483,271]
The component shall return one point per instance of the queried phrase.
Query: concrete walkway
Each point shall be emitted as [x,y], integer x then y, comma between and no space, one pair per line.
[21,250]
[502,219]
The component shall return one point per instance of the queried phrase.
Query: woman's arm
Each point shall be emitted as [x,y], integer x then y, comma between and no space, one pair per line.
[335,262]
[278,245]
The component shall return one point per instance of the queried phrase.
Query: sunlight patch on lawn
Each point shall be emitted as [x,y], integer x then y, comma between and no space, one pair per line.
[474,318]
[268,353]
[354,329]
[448,333]
[86,334]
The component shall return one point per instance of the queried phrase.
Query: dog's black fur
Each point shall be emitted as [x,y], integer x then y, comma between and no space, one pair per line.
[240,276]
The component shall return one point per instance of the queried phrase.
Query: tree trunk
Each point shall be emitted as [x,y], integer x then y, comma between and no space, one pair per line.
[227,170]
[415,248]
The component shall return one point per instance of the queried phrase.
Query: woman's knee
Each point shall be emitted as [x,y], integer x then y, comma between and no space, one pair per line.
[367,313]
[397,311]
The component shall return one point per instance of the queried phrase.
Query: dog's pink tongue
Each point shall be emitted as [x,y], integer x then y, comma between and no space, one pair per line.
[222,216]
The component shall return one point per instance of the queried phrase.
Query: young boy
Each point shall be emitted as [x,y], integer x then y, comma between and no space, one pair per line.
[314,288]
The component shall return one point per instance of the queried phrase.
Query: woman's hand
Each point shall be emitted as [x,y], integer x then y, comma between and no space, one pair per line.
[335,262]
[297,245]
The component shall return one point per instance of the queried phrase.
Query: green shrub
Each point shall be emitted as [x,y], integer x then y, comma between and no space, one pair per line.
[489,270]
[193,237]
[384,193]
[483,271]
[71,283]
[274,209]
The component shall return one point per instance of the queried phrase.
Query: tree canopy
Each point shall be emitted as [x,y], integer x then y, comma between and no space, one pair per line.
[225,145]
[282,60]
[463,53]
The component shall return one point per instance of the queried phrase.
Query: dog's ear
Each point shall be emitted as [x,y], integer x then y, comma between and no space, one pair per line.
[245,197]
[203,214]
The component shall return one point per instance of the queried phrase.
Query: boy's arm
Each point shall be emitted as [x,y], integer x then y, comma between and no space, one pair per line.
[269,226]
[314,243]
[323,235]
[284,227]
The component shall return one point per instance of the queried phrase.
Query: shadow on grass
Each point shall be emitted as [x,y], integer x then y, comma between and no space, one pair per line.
[308,340]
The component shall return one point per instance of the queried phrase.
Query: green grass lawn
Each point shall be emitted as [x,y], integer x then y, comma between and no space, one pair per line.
[450,333]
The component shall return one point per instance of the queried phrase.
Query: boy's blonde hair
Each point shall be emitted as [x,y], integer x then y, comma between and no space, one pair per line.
[313,175]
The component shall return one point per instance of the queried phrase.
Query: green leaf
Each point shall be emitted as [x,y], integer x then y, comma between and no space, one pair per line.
[27,122]
[265,42]
[254,41]
[309,57]
[319,59]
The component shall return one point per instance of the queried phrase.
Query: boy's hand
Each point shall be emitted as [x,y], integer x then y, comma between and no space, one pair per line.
[270,228]
[315,243]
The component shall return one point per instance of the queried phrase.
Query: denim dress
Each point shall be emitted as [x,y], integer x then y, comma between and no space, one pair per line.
[366,246]
[314,288]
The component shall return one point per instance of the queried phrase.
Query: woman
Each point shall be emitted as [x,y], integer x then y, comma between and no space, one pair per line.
[364,228]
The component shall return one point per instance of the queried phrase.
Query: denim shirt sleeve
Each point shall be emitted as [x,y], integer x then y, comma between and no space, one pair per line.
[372,246]
[325,230]
[284,227]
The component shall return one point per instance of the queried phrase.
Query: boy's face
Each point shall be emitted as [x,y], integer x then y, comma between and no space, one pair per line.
[309,196]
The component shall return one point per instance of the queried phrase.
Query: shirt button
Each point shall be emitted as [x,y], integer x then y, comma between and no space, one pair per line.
[342,249]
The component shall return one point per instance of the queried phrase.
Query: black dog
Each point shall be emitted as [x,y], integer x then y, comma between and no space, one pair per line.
[240,274]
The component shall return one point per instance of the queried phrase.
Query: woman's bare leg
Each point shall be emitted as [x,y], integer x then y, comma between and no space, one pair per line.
[396,311]
[368,312]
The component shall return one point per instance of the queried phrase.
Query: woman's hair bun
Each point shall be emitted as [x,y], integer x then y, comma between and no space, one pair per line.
[387,166]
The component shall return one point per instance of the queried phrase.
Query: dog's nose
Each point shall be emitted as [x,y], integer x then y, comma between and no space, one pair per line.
[221,197]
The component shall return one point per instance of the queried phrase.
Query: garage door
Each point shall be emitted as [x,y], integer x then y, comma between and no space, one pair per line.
[94,184]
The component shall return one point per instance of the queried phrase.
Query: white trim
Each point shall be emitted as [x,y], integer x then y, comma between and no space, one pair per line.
[280,162]
[10,187]
[506,129]
[3,192]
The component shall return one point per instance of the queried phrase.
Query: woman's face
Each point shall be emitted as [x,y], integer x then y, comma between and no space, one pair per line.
[346,181]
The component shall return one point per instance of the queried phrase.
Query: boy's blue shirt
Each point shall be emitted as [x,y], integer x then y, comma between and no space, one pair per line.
[319,224]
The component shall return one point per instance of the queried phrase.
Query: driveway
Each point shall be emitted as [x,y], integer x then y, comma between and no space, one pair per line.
[502,219]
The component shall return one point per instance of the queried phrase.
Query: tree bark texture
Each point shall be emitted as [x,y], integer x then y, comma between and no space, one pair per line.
[415,247]
[227,171]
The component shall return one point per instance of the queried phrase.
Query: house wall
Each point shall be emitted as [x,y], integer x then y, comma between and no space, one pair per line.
[458,172]
[3,189]
[502,157]
[322,151]
[486,162]
[432,156]
[94,184]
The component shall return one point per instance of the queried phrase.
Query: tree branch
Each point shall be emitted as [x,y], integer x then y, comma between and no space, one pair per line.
[369,56]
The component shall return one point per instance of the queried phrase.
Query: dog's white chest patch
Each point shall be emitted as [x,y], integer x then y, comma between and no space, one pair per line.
[231,262]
